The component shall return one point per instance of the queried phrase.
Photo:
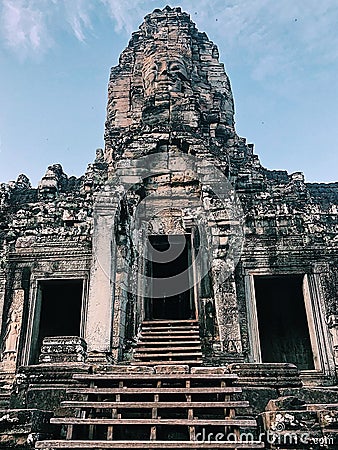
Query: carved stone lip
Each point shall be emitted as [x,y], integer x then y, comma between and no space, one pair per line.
[166,83]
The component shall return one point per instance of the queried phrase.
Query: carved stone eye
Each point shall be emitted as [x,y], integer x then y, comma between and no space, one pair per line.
[178,69]
[175,67]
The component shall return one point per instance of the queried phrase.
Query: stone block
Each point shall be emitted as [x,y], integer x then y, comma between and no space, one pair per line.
[209,370]
[285,403]
[171,368]
[63,349]
[320,394]
[328,419]
[258,397]
[108,368]
[275,375]
[21,428]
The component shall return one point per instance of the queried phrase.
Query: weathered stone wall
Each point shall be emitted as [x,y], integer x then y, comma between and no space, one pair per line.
[45,233]
[291,227]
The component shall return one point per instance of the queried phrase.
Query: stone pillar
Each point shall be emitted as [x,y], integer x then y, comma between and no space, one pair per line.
[228,318]
[98,331]
[120,303]
[316,302]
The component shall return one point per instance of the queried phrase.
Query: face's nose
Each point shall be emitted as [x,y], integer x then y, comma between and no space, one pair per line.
[163,68]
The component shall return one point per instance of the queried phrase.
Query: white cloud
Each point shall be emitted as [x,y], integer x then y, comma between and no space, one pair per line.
[23,25]
[272,35]
[268,35]
[126,14]
[77,13]
[28,26]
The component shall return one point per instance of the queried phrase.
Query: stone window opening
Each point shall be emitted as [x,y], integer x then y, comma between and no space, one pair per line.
[321,365]
[58,311]
[282,321]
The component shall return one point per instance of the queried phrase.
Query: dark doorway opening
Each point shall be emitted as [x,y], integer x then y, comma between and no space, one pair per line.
[161,305]
[58,311]
[282,322]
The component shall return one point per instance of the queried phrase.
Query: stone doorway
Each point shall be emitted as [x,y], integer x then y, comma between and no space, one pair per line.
[57,313]
[169,265]
[282,321]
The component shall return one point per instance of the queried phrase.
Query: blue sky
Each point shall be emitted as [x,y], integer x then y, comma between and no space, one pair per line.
[55,57]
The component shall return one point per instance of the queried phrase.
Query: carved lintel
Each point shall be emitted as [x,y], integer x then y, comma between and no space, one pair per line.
[333,321]
[320,267]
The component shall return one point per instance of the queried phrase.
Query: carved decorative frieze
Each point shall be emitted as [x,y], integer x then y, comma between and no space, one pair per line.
[63,349]
[13,327]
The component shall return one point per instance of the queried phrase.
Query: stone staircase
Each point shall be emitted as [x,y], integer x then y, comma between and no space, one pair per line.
[147,408]
[5,389]
[4,399]
[168,342]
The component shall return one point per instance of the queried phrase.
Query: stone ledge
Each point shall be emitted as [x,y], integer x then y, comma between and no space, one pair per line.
[267,374]
[171,368]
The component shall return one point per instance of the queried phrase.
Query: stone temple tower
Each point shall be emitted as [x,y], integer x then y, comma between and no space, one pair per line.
[173,285]
[169,80]
[168,129]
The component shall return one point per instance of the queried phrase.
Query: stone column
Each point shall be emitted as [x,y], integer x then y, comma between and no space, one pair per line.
[98,331]
[316,305]
[228,319]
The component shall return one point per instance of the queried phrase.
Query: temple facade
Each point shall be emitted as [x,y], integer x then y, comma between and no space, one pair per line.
[177,253]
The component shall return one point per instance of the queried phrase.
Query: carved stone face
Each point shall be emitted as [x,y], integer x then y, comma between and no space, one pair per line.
[162,75]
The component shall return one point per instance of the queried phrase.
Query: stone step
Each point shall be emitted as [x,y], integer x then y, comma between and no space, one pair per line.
[151,349]
[243,423]
[321,406]
[144,351]
[167,337]
[313,395]
[170,340]
[146,405]
[91,445]
[173,349]
[160,323]
[4,400]
[138,414]
[163,339]
[153,376]
[192,362]
[157,390]
[169,331]
[165,324]
[167,354]
[171,346]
